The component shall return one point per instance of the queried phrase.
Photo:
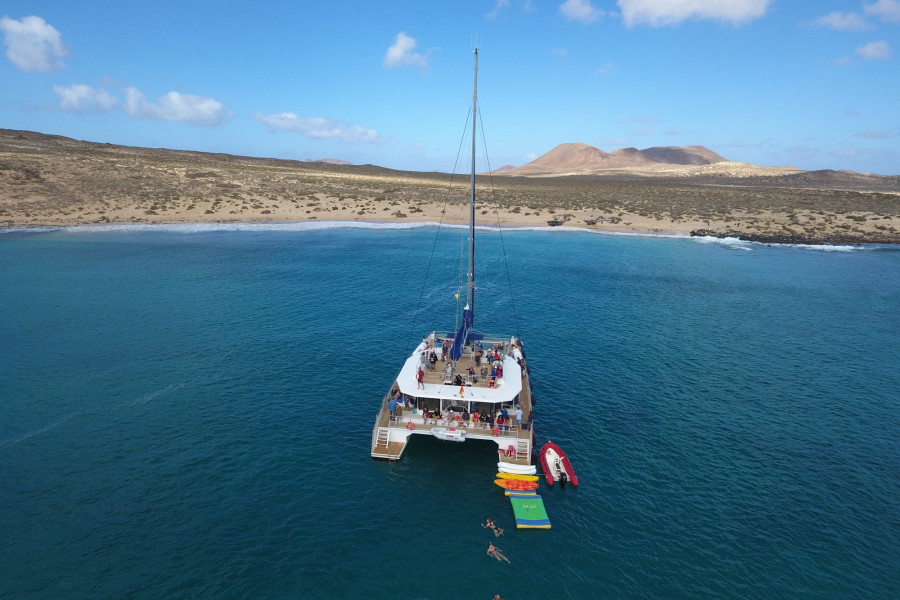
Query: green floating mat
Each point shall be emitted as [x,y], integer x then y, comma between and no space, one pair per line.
[529,512]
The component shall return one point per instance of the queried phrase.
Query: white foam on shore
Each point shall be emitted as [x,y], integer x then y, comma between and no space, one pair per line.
[242,226]
[829,247]
[25,229]
[733,243]
[320,225]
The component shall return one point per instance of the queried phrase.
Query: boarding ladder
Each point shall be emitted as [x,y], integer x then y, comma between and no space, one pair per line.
[523,448]
[383,437]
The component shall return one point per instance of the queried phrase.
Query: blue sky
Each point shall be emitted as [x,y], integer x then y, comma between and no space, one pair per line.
[813,84]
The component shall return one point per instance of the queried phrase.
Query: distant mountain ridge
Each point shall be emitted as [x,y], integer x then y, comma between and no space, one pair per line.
[582,159]
[329,161]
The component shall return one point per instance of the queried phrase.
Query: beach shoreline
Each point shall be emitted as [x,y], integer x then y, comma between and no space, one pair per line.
[51,181]
[433,215]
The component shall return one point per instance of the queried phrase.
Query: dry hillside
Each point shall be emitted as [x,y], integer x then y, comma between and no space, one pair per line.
[52,180]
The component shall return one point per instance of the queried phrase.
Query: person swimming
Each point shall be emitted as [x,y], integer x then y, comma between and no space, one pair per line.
[497,531]
[495,552]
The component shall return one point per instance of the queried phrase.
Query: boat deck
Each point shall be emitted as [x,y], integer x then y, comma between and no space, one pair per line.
[391,434]
[437,374]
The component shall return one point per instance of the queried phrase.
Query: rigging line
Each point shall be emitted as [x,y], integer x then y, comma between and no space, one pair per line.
[460,269]
[461,275]
[512,296]
[436,235]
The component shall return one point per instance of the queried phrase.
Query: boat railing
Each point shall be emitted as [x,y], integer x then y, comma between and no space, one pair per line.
[418,421]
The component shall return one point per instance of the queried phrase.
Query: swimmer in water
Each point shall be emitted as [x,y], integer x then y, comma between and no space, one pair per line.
[497,531]
[495,552]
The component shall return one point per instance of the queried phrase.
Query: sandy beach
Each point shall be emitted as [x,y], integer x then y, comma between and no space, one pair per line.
[54,181]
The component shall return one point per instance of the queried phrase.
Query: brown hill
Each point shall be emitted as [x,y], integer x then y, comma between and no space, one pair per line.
[582,159]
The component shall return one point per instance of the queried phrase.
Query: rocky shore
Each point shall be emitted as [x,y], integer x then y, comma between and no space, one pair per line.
[835,239]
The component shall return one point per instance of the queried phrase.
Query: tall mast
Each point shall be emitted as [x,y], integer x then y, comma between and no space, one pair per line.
[468,317]
[470,284]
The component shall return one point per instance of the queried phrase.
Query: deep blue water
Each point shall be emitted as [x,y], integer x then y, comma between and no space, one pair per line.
[186,413]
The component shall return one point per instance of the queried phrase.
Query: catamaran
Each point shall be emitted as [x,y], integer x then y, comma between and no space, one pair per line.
[457,386]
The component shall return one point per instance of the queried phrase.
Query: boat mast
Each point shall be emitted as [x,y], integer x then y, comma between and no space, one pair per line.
[470,284]
[468,317]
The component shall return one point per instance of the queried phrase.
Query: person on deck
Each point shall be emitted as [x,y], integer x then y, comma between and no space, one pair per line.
[420,378]
[392,404]
[519,416]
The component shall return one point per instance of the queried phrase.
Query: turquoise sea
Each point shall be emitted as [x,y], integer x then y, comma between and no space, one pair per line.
[186,413]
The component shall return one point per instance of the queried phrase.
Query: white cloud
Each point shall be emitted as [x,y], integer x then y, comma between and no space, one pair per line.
[499,5]
[886,10]
[606,69]
[181,108]
[659,13]
[32,44]
[559,52]
[876,134]
[401,54]
[844,22]
[82,98]
[580,10]
[875,50]
[317,128]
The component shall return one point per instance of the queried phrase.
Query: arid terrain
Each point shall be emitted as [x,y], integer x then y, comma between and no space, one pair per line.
[52,180]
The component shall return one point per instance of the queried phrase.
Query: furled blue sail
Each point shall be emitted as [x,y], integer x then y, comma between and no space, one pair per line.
[468,318]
